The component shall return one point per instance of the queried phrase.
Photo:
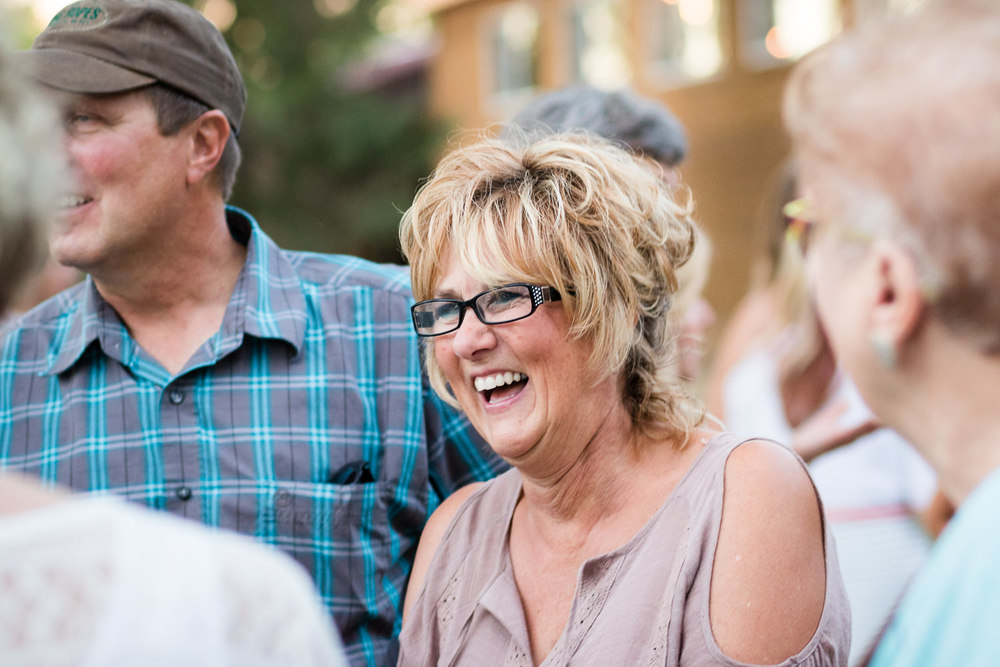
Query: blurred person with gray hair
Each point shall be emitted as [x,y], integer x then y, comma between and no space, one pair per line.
[896,129]
[107,583]
[650,130]
[645,126]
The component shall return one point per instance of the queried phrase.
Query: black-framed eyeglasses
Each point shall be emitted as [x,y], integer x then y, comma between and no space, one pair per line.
[499,305]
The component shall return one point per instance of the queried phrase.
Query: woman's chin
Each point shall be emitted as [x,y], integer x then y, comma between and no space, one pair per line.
[512,449]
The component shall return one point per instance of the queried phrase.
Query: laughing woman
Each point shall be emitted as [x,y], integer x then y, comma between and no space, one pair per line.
[626,533]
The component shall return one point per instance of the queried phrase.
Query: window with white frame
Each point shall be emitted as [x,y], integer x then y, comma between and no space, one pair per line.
[682,38]
[773,32]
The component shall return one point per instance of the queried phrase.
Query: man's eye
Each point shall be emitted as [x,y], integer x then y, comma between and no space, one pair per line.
[75,119]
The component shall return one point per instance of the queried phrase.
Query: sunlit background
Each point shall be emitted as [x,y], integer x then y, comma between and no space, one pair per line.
[352,101]
[394,17]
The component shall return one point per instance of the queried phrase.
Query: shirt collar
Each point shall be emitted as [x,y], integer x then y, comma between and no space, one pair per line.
[268,302]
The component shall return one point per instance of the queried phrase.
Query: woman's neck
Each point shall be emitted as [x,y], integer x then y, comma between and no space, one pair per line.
[617,483]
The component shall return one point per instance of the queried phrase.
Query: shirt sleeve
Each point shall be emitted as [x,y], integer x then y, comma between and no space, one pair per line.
[948,615]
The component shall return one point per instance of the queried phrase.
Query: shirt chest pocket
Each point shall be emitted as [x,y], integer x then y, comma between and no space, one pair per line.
[340,533]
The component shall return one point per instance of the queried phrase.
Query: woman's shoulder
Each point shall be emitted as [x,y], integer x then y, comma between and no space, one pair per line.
[758,474]
[770,555]
[766,457]
[741,455]
[478,512]
[474,515]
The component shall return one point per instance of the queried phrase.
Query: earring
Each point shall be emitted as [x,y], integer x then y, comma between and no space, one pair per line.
[884,349]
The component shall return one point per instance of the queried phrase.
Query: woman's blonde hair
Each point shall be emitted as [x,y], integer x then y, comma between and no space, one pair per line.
[581,215]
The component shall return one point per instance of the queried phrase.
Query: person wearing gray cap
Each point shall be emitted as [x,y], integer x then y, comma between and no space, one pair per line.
[201,369]
[646,128]
[642,125]
[91,580]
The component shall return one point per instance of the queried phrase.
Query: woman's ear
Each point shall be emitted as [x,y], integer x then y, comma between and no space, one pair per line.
[209,134]
[900,304]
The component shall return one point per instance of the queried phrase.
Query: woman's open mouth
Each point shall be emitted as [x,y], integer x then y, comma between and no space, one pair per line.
[499,386]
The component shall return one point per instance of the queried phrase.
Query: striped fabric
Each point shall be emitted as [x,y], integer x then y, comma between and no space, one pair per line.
[315,367]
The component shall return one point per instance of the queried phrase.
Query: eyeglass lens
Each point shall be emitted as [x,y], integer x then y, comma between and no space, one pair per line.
[496,306]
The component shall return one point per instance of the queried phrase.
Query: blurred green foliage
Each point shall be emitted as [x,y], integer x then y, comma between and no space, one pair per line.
[18,26]
[324,169]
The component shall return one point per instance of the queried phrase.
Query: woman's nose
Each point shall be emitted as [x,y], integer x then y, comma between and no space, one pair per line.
[472,336]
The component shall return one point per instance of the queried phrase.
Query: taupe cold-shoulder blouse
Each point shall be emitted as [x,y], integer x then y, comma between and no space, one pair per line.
[645,603]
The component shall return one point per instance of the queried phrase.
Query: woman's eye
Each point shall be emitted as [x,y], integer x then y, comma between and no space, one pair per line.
[501,299]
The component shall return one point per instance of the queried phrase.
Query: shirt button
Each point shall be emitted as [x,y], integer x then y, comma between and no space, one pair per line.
[184,493]
[176,397]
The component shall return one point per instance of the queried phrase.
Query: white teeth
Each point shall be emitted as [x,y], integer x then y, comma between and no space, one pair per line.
[498,380]
[69,201]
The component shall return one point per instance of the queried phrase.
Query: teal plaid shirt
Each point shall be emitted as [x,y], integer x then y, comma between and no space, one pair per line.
[315,367]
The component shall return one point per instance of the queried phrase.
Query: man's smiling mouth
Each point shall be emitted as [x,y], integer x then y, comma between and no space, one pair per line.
[72,201]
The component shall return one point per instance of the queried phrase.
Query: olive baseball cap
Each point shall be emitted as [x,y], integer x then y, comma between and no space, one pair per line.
[110,46]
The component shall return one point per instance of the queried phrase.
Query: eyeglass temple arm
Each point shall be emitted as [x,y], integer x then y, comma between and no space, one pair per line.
[549,294]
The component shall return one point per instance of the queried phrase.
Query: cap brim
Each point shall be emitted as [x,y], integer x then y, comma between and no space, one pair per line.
[75,72]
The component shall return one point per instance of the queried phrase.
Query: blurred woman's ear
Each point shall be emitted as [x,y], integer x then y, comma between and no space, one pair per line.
[900,303]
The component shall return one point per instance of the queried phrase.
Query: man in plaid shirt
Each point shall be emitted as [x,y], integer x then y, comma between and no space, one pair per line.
[199,368]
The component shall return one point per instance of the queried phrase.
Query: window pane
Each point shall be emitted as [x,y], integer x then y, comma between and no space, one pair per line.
[777,31]
[598,55]
[514,44]
[683,39]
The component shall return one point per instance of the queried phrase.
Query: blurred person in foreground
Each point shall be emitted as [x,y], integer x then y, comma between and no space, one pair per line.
[545,274]
[896,128]
[95,581]
[201,369]
[650,130]
[876,488]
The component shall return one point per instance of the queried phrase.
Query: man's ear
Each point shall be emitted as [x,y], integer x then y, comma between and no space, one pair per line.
[900,306]
[209,134]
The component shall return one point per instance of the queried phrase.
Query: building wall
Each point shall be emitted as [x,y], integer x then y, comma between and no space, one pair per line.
[733,121]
